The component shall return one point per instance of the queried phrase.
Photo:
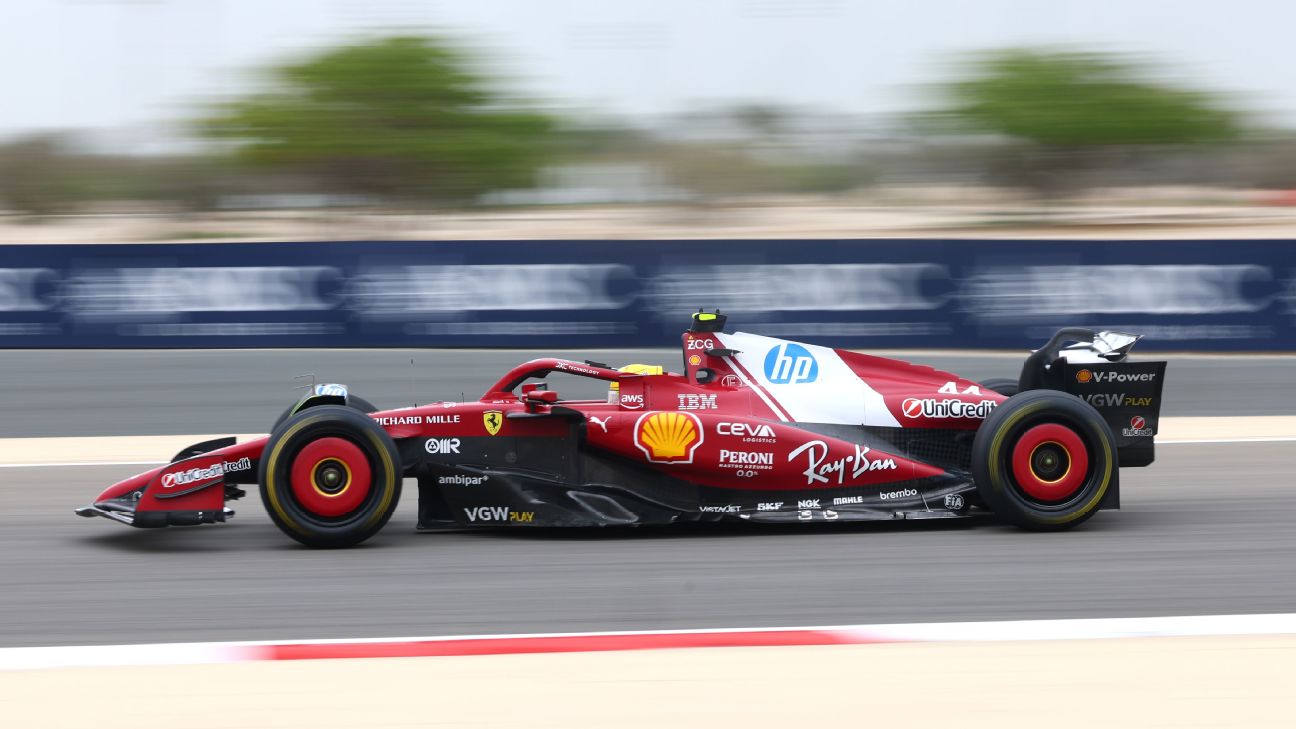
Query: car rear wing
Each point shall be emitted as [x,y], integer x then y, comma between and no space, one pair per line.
[1095,367]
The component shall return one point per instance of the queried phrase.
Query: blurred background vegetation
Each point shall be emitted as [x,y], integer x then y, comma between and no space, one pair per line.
[414,123]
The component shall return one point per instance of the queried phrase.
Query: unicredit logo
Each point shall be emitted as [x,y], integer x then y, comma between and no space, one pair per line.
[915,407]
[181,478]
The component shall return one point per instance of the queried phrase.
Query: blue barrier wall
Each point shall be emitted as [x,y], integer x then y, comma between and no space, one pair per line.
[1202,295]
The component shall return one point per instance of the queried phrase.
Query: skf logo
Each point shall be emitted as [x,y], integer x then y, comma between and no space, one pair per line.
[1084,376]
[668,437]
[493,420]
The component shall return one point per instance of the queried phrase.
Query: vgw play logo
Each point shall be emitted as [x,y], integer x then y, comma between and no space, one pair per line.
[790,364]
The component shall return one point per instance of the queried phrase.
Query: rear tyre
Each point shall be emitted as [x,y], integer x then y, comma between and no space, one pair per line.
[1003,385]
[1043,460]
[359,403]
[330,477]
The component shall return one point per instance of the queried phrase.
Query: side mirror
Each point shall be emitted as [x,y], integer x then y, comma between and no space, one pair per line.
[538,399]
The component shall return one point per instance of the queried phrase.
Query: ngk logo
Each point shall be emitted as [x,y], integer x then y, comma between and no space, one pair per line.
[914,407]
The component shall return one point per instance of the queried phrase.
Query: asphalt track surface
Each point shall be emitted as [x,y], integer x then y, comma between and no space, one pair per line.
[1206,530]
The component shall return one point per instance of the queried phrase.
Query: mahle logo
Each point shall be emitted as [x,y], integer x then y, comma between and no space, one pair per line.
[790,364]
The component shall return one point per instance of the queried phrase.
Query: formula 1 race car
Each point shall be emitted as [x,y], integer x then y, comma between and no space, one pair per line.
[755,429]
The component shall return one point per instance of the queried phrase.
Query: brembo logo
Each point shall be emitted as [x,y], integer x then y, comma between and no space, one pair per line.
[914,407]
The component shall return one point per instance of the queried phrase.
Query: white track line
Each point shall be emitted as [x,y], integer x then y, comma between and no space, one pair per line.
[1257,439]
[472,645]
[81,463]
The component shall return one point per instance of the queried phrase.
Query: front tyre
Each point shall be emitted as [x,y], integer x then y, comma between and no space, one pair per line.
[330,476]
[353,401]
[1043,460]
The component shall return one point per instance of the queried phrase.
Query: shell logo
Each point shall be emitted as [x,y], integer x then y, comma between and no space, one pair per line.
[1083,376]
[668,437]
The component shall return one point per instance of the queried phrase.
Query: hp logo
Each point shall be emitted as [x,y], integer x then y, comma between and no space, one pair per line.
[790,364]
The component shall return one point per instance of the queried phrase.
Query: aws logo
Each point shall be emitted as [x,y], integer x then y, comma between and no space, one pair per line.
[668,437]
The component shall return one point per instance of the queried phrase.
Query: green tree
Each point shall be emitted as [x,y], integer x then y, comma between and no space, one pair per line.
[400,118]
[1067,111]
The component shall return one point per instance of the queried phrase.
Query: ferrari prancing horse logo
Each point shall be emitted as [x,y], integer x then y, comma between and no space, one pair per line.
[494,420]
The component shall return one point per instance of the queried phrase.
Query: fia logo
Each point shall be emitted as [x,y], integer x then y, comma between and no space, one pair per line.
[790,364]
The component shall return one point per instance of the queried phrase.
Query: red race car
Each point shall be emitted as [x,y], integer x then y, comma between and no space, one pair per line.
[754,429]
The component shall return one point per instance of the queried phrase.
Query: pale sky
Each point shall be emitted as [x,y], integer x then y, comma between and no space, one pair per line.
[114,64]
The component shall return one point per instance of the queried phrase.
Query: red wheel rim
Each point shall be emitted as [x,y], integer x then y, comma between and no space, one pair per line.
[1032,453]
[330,477]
